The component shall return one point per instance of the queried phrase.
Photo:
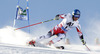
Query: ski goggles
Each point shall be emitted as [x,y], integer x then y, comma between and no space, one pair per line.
[77,16]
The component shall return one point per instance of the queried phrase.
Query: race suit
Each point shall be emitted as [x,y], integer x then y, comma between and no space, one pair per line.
[62,28]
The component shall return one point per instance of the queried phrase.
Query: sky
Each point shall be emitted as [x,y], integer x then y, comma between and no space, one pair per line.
[41,10]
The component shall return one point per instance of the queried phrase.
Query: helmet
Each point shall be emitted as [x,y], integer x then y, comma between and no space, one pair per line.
[76,13]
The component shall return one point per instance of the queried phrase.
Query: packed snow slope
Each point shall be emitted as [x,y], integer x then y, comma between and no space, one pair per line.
[14,42]
[16,49]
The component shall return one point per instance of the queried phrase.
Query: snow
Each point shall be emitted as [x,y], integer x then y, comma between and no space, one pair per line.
[14,42]
[8,35]
[18,49]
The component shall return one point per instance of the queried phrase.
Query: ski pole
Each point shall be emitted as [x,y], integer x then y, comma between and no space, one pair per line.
[87,47]
[34,24]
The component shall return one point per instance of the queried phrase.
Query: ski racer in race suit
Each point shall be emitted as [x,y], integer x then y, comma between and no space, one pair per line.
[69,21]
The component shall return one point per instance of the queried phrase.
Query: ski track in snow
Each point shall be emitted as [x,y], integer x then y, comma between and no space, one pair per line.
[16,49]
[19,49]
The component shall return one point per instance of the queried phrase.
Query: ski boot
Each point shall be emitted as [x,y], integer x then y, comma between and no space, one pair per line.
[60,47]
[32,42]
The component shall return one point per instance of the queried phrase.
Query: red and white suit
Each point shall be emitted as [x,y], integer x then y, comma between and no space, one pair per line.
[62,28]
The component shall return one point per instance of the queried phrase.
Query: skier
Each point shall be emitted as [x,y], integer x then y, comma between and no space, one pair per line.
[69,21]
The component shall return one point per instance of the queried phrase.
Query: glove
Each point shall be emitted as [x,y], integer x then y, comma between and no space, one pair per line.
[83,41]
[57,17]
